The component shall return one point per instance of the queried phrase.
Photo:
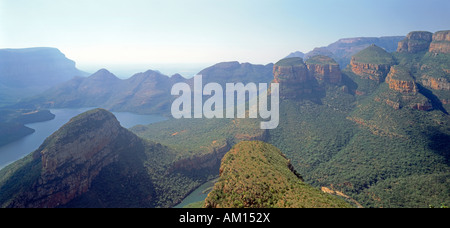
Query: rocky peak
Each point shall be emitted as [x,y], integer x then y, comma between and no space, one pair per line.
[103,75]
[415,42]
[372,63]
[400,80]
[73,156]
[441,42]
[293,76]
[324,68]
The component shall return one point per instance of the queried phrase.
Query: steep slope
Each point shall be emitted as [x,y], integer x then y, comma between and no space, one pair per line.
[93,162]
[373,63]
[257,175]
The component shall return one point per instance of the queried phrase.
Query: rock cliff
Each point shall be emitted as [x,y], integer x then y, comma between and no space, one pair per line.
[400,80]
[415,42]
[70,159]
[304,80]
[325,69]
[372,63]
[294,78]
[441,42]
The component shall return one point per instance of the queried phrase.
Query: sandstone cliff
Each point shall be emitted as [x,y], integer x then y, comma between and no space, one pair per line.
[68,162]
[441,42]
[372,63]
[294,78]
[324,69]
[415,42]
[400,80]
[305,80]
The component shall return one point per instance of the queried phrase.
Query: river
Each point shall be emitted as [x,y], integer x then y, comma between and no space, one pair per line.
[18,149]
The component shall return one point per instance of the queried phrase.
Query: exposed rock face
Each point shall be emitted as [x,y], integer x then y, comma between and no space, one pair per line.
[441,42]
[415,42]
[293,76]
[300,79]
[435,83]
[376,72]
[400,80]
[325,69]
[372,63]
[73,157]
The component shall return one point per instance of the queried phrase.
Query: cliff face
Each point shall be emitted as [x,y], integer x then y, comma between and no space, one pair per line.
[73,157]
[415,42]
[294,78]
[325,69]
[372,63]
[400,80]
[435,83]
[375,72]
[441,42]
[300,79]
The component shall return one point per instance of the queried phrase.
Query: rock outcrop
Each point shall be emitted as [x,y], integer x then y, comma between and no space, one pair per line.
[294,78]
[415,42]
[325,69]
[400,80]
[441,42]
[304,80]
[71,158]
[435,83]
[372,63]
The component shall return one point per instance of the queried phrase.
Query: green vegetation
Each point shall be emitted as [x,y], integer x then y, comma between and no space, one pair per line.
[257,175]
[374,55]
[290,62]
[321,60]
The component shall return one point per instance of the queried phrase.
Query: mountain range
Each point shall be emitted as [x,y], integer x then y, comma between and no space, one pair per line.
[373,133]
[343,49]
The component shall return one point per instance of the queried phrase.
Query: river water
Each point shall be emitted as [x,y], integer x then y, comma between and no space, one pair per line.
[18,149]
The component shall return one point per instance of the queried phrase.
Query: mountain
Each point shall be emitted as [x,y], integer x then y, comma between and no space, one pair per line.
[145,93]
[257,175]
[306,80]
[343,49]
[298,54]
[384,141]
[379,136]
[93,162]
[27,72]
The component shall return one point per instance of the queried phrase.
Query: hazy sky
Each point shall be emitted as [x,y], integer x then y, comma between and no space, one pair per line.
[206,31]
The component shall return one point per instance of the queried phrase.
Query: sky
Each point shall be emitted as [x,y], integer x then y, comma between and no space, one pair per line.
[102,33]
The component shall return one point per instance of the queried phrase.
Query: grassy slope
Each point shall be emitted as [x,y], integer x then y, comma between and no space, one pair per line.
[257,175]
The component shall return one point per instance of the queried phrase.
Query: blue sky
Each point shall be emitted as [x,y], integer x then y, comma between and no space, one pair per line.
[206,31]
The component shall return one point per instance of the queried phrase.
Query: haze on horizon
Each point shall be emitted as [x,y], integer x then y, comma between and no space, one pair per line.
[105,32]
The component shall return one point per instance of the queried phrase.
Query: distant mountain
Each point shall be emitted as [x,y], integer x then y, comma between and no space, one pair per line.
[258,175]
[343,49]
[296,54]
[26,72]
[147,93]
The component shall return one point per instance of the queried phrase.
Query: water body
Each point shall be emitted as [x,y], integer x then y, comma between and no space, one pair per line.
[18,149]
[197,195]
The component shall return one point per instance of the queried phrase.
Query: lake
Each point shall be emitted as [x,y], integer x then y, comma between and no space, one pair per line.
[18,149]
[198,194]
